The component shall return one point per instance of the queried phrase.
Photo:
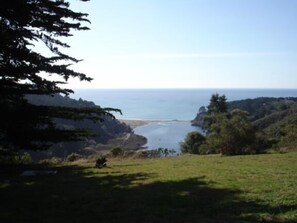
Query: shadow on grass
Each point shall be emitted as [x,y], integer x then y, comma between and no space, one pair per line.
[78,194]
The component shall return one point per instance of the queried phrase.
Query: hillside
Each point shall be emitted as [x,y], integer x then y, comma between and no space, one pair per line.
[191,188]
[104,132]
[275,118]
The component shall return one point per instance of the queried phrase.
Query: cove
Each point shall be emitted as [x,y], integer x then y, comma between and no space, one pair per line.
[166,134]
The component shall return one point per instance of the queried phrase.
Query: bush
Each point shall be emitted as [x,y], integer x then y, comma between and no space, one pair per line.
[154,153]
[164,152]
[14,158]
[117,151]
[192,143]
[101,162]
[209,147]
[52,161]
[148,154]
[129,153]
[73,157]
[237,134]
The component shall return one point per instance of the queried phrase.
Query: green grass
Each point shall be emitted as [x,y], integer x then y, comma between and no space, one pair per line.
[258,188]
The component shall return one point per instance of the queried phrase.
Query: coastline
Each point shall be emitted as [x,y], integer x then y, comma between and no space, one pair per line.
[134,123]
[159,133]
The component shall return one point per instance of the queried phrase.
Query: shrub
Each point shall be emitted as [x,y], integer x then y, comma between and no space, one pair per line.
[192,143]
[73,157]
[129,153]
[14,158]
[101,162]
[150,154]
[24,158]
[237,134]
[117,151]
[164,152]
[154,153]
[54,160]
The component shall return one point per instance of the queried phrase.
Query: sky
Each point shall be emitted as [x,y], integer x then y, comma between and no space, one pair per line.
[187,44]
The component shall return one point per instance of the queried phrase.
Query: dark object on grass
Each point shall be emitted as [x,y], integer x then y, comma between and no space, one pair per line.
[101,162]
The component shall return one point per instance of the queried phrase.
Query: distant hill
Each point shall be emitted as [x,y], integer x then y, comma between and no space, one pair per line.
[104,131]
[276,118]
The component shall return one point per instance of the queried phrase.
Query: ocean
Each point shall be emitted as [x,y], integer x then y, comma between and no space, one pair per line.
[174,108]
[168,104]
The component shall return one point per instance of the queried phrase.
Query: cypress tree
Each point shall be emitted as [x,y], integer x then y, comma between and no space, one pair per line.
[24,70]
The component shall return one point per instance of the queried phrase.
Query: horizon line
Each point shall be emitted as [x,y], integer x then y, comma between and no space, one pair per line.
[192,88]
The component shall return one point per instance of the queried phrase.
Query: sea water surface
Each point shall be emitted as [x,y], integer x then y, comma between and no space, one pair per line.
[174,108]
[166,134]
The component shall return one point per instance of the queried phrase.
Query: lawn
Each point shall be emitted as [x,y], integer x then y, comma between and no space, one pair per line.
[257,188]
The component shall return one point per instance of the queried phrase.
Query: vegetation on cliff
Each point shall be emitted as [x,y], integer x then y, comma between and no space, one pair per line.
[105,135]
[263,122]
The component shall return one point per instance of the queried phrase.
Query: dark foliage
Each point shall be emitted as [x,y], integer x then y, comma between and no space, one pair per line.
[24,70]
[101,162]
[217,104]
[108,129]
[192,143]
[234,134]
[227,132]
[117,151]
[263,106]
[205,117]
[275,118]
[156,153]
[274,121]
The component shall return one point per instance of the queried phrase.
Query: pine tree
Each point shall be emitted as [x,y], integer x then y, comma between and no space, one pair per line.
[24,70]
[217,104]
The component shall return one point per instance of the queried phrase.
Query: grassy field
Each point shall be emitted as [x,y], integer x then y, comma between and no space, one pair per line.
[258,188]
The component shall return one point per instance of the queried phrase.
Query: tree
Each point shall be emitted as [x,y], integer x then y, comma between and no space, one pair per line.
[232,134]
[217,104]
[229,133]
[202,110]
[192,143]
[24,71]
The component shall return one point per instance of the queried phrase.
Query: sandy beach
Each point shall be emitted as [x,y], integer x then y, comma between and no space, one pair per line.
[135,123]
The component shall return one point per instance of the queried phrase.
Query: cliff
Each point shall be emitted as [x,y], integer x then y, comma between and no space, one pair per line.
[109,130]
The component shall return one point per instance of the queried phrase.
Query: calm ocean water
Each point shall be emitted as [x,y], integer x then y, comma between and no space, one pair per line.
[168,104]
[166,134]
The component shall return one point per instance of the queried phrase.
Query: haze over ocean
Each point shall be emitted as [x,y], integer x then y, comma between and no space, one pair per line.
[168,104]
